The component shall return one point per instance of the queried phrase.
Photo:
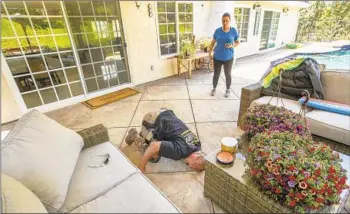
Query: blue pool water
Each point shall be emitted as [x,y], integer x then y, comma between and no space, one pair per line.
[338,60]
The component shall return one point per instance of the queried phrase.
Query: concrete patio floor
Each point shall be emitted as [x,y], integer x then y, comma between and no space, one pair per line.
[210,117]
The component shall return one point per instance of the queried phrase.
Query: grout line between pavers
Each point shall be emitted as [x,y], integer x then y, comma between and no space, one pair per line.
[194,118]
[132,118]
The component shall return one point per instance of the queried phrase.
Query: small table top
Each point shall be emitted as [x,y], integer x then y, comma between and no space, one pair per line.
[237,169]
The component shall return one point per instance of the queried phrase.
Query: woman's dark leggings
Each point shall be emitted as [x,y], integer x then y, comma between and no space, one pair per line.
[227,69]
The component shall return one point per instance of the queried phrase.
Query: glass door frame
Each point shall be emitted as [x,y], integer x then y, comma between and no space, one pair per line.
[75,99]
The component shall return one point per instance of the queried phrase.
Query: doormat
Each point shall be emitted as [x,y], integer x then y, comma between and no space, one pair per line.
[100,101]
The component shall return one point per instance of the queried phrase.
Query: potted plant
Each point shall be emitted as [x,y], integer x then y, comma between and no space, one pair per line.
[187,49]
[303,175]
[204,44]
[270,118]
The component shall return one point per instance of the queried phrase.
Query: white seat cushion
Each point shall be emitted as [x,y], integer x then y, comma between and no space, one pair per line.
[41,154]
[16,198]
[88,183]
[330,125]
[292,105]
[134,195]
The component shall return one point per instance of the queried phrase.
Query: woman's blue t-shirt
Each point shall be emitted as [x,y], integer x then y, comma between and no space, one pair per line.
[221,52]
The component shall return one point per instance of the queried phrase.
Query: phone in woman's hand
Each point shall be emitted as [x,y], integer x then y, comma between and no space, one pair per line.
[228,45]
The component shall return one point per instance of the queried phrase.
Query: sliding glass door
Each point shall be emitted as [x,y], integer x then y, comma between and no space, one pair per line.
[59,50]
[269,30]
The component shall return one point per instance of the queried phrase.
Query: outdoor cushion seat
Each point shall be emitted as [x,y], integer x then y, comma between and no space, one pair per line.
[292,105]
[91,180]
[330,125]
[133,195]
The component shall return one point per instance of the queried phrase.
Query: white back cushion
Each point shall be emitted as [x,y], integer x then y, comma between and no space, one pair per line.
[41,154]
[16,198]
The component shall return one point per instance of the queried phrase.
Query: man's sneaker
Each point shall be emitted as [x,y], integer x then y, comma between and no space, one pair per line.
[228,92]
[213,92]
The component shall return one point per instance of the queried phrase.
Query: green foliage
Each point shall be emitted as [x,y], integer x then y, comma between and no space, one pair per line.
[187,48]
[324,21]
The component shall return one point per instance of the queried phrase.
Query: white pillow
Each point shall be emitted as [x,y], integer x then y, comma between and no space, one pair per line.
[41,154]
[16,198]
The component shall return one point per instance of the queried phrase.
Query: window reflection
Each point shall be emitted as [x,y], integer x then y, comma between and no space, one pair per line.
[18,66]
[72,74]
[58,77]
[25,83]
[48,95]
[42,80]
[15,8]
[32,99]
[36,63]
[63,43]
[63,92]
[41,26]
[53,61]
[35,8]
[53,8]
[22,26]
[47,44]
[10,47]
[67,59]
[6,28]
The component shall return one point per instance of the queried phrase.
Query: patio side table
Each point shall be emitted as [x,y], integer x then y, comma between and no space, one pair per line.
[187,62]
[231,189]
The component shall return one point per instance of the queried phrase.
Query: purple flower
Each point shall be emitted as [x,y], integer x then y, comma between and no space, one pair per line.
[291,184]
[307,174]
[276,156]
[259,158]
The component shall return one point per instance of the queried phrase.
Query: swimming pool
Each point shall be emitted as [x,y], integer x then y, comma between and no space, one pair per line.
[335,60]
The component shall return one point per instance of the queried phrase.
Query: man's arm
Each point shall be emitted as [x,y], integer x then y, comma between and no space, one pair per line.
[151,151]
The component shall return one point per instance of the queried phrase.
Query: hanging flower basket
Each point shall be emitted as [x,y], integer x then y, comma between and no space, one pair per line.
[270,118]
[301,174]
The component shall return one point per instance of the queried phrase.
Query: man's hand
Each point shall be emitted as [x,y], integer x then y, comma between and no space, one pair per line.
[151,151]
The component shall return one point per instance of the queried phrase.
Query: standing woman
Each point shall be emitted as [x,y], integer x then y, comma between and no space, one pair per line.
[226,39]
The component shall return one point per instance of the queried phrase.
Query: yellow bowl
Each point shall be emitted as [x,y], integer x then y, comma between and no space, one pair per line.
[229,144]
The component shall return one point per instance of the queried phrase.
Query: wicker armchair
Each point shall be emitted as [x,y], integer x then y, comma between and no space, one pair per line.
[253,92]
[94,135]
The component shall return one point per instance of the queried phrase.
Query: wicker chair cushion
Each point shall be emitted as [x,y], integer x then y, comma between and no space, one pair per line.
[134,195]
[91,180]
[16,198]
[292,105]
[330,125]
[41,154]
[336,86]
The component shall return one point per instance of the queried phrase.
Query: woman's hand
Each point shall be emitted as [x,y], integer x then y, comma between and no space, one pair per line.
[229,46]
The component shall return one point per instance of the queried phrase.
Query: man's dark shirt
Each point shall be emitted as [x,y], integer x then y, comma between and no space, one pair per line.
[177,140]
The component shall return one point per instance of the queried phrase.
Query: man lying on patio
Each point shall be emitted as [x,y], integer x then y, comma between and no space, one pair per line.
[167,136]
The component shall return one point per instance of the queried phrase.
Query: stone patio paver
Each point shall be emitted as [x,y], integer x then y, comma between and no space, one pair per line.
[165,93]
[184,190]
[215,110]
[202,92]
[116,135]
[182,108]
[211,134]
